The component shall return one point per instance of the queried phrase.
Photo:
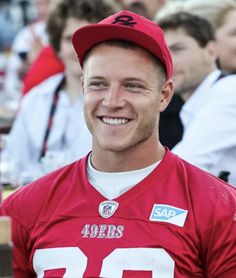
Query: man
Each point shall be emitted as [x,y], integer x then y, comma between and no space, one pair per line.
[130,208]
[209,112]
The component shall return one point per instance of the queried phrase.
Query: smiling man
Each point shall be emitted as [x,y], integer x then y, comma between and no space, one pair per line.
[130,208]
[122,107]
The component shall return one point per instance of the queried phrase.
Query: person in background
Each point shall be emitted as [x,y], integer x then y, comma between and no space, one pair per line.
[130,207]
[208,115]
[222,15]
[25,48]
[49,130]
[170,126]
[225,27]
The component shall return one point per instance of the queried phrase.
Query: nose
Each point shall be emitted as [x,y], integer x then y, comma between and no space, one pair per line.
[113,97]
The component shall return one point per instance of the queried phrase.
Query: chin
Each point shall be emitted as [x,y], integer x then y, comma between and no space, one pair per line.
[113,148]
[113,145]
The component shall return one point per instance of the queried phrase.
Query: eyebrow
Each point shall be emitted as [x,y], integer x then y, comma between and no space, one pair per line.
[134,79]
[126,79]
[96,77]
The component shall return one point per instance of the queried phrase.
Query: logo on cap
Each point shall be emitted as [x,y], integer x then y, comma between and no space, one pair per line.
[124,20]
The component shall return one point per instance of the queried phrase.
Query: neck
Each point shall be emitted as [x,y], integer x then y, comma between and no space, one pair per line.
[186,95]
[138,157]
[208,70]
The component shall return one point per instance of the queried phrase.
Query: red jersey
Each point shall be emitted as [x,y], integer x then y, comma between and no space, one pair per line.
[177,222]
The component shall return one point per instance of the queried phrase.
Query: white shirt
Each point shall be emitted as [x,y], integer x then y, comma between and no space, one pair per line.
[69,133]
[209,119]
[113,185]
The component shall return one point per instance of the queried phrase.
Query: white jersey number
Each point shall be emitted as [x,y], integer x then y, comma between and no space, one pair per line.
[137,259]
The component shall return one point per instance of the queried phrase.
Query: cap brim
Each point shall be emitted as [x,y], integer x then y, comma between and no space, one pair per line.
[88,36]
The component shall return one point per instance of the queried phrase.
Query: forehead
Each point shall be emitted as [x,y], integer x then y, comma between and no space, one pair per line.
[179,35]
[118,55]
[117,60]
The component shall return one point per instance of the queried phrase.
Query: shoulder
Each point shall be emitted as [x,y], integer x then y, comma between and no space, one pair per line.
[226,86]
[206,190]
[37,201]
[43,90]
[195,175]
[48,85]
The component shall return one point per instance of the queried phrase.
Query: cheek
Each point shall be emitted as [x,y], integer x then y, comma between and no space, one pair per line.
[88,110]
[150,107]
[87,102]
[226,46]
[182,60]
[90,102]
[66,52]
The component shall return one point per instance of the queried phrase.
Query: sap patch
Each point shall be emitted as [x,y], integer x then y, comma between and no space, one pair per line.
[168,214]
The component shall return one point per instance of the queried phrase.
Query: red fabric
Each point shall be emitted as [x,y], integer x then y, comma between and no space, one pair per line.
[57,226]
[46,65]
[127,26]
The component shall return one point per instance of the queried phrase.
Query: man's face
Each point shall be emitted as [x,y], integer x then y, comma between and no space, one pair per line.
[146,8]
[192,63]
[226,42]
[122,97]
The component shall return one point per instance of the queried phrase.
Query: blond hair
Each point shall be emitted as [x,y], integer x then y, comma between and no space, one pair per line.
[169,8]
[215,11]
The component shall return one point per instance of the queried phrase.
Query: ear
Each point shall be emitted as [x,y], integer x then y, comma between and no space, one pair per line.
[166,94]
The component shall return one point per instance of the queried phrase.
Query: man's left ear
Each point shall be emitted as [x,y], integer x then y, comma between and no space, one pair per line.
[166,94]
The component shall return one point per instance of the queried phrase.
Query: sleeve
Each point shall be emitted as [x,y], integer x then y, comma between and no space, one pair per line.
[218,243]
[16,148]
[19,238]
[211,133]
[19,149]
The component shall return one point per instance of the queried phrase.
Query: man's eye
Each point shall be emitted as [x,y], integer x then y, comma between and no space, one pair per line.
[134,86]
[97,85]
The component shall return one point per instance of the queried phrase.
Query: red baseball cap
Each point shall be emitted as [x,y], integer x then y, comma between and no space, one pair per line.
[128,26]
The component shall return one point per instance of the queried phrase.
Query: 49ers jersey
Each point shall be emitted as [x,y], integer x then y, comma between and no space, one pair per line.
[177,222]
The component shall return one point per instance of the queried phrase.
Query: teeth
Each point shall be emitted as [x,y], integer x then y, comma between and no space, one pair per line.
[114,121]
